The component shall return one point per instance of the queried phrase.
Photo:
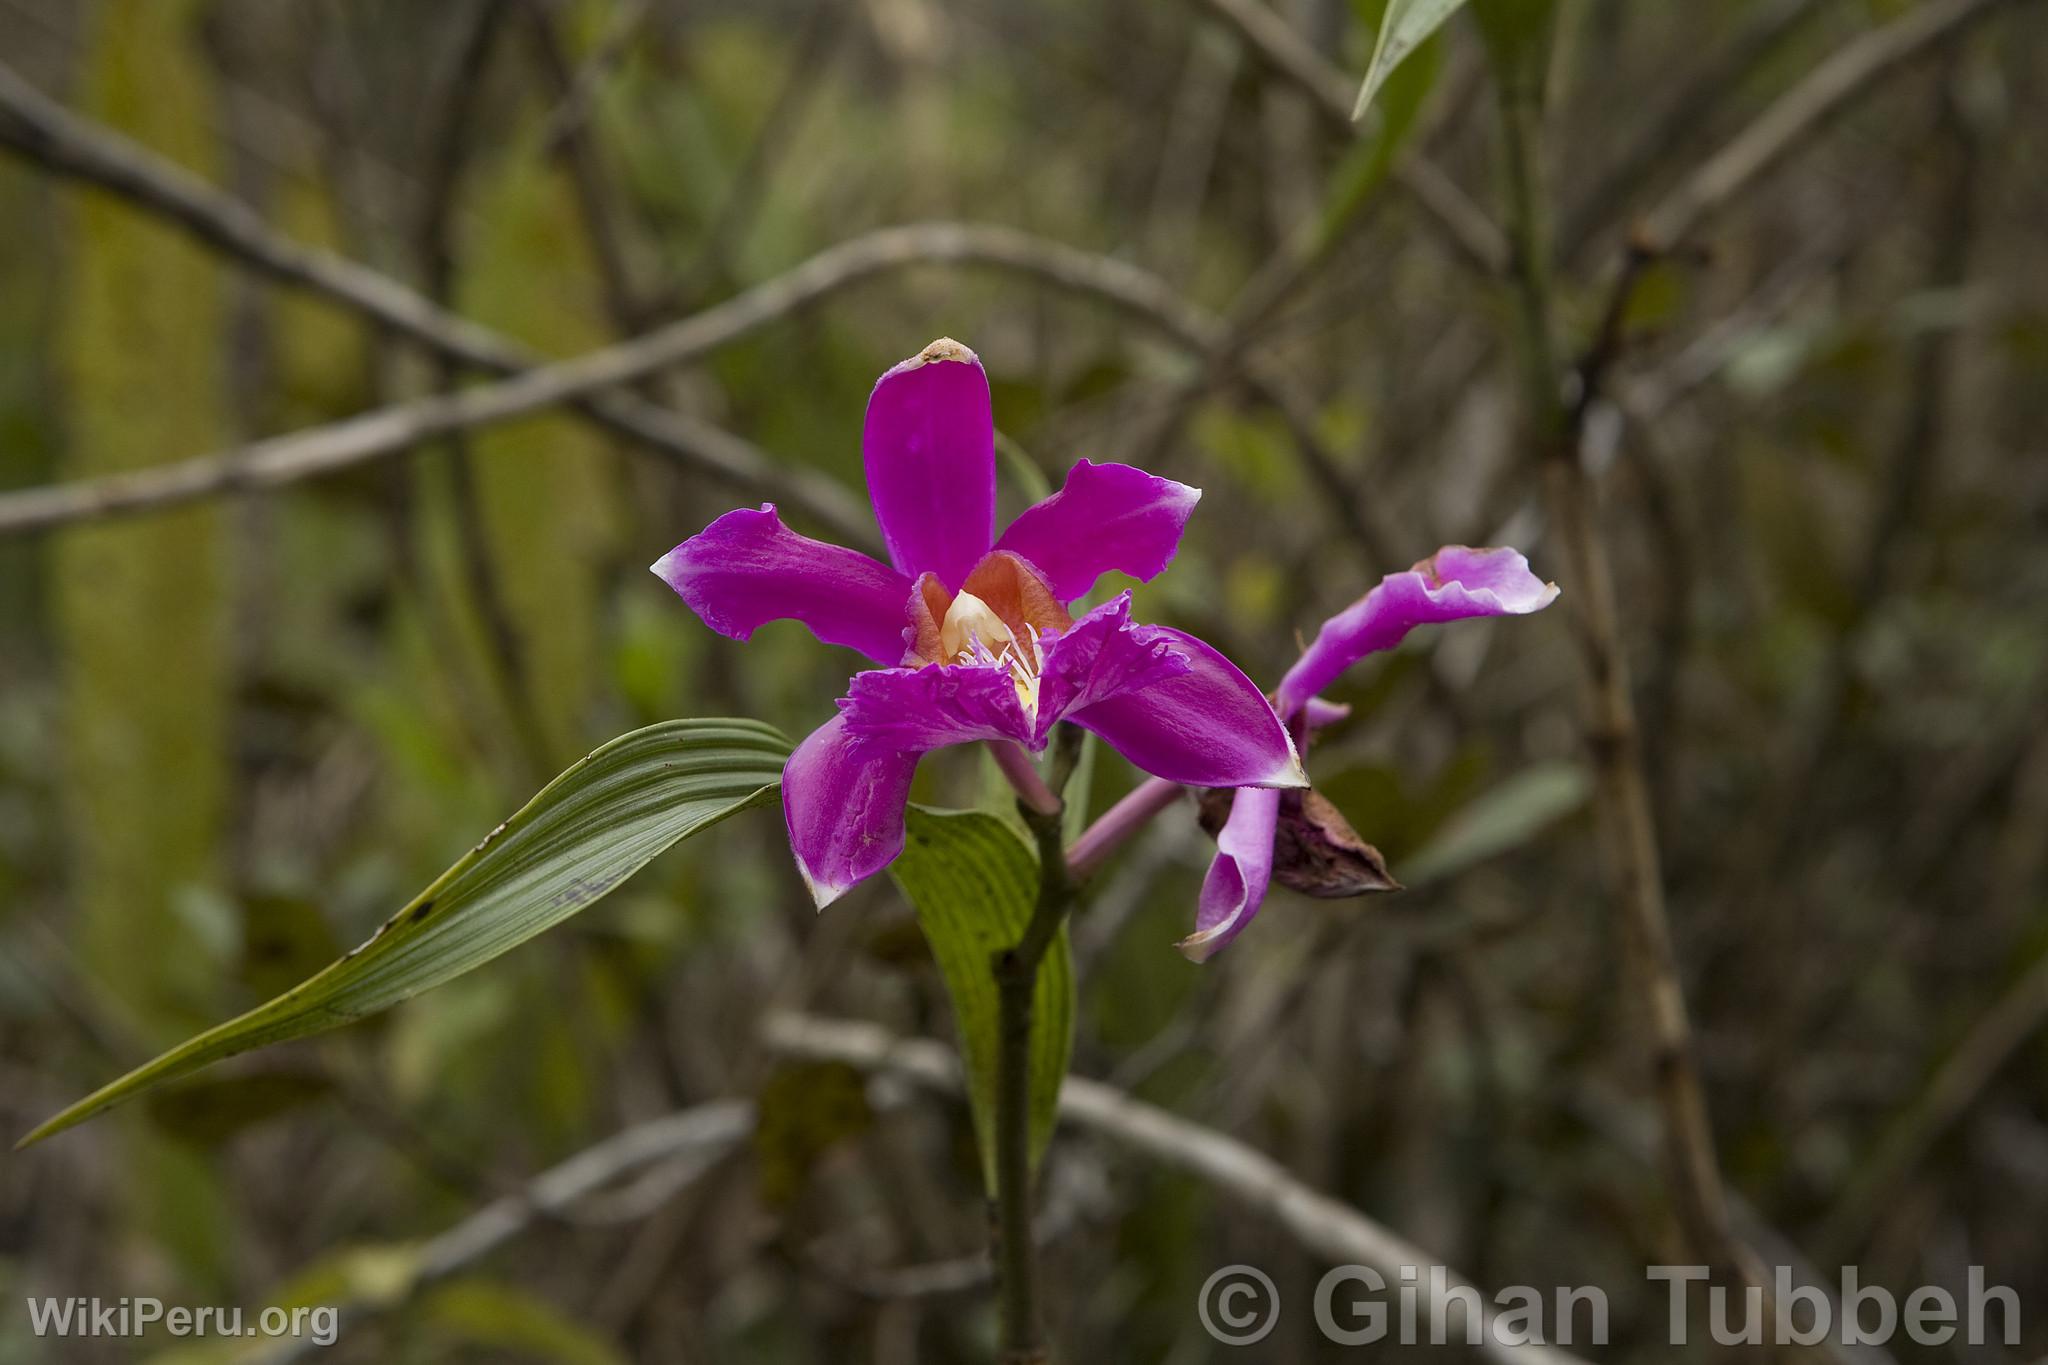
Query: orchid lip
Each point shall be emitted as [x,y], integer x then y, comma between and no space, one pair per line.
[973,635]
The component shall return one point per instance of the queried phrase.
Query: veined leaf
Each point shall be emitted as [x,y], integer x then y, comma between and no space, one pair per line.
[973,883]
[1405,25]
[586,832]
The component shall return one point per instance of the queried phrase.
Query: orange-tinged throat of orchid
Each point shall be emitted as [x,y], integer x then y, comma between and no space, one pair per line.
[1002,617]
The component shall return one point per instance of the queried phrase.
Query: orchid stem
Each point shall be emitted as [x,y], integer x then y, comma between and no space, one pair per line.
[1119,823]
[1016,974]
[1017,767]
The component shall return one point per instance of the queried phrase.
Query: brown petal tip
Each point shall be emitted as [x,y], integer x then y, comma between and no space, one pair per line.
[1315,849]
[945,348]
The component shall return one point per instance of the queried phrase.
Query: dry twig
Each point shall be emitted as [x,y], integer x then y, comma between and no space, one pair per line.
[692,1140]
[342,445]
[1324,1226]
[1627,826]
[44,132]
[1992,1041]
[1851,72]
[1463,225]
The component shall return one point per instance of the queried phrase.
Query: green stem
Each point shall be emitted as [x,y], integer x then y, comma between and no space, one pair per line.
[1016,973]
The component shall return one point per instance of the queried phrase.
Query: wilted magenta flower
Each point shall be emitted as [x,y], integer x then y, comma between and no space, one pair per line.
[1451,585]
[972,631]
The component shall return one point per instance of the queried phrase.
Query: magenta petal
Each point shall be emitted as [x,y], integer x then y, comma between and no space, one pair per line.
[747,569]
[843,800]
[1100,656]
[929,448]
[1208,727]
[920,709]
[1238,878]
[1320,714]
[1454,583]
[1108,516]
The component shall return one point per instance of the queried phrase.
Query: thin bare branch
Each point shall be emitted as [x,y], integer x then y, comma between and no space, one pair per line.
[343,445]
[1324,1226]
[571,142]
[568,118]
[1627,825]
[46,133]
[1464,226]
[1686,116]
[692,1140]
[1073,1197]
[2017,1016]
[1849,73]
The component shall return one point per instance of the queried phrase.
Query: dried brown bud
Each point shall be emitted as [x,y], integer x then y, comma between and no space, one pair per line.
[1315,850]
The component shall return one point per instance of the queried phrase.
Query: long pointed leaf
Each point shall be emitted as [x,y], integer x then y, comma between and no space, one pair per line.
[586,832]
[973,883]
[1402,29]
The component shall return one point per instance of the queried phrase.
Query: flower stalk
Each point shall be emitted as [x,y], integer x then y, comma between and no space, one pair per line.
[1016,975]
[1119,823]
[1022,775]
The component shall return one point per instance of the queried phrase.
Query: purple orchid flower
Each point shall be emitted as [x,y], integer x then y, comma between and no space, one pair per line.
[972,631]
[1451,585]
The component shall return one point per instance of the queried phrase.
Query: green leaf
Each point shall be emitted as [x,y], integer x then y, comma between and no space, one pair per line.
[1368,162]
[1504,818]
[1406,24]
[586,832]
[973,883]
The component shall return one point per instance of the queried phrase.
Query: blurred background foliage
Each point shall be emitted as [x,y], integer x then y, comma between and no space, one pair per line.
[234,735]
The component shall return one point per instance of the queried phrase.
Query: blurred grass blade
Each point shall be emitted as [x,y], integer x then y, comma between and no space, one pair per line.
[973,882]
[1406,24]
[1505,817]
[1017,462]
[586,832]
[1518,36]
[498,1317]
[1369,161]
